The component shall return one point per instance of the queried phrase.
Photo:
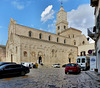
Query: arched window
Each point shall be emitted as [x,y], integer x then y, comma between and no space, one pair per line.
[25,54]
[64,40]
[16,49]
[83,42]
[73,36]
[40,36]
[64,27]
[30,33]
[57,39]
[58,27]
[11,37]
[69,36]
[49,37]
[74,42]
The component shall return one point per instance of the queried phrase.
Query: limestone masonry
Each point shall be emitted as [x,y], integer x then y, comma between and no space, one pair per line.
[27,44]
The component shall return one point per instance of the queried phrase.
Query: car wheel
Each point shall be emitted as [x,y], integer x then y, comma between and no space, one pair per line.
[22,73]
[65,72]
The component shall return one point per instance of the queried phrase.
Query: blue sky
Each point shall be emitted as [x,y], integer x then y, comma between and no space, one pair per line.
[41,14]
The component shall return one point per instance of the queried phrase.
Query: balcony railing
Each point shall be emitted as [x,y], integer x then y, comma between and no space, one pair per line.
[94,3]
[91,32]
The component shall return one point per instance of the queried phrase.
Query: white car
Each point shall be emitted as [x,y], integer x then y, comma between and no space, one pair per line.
[27,64]
[56,65]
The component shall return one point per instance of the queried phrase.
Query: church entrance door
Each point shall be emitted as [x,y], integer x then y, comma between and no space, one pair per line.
[40,59]
[69,60]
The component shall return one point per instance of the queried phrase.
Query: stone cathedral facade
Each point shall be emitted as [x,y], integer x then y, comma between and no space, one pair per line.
[27,44]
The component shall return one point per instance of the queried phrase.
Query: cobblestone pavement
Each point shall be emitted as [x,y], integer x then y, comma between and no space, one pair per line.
[50,78]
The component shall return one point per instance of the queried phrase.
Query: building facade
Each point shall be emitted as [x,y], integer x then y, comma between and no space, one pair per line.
[95,33]
[27,44]
[2,53]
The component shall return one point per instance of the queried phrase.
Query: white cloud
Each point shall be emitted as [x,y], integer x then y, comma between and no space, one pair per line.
[47,14]
[32,25]
[51,27]
[41,29]
[81,18]
[20,4]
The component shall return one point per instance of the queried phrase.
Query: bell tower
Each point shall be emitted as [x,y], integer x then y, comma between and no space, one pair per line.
[61,23]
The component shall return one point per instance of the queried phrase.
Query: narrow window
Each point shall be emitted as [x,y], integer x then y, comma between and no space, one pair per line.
[64,27]
[64,40]
[25,54]
[16,49]
[74,42]
[57,39]
[73,36]
[40,35]
[49,37]
[58,27]
[30,33]
[69,36]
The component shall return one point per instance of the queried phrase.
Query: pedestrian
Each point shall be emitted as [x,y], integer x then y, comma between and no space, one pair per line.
[36,65]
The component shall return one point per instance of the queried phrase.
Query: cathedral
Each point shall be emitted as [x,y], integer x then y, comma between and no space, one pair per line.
[27,44]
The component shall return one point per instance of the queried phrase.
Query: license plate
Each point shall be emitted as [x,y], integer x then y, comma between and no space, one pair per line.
[70,70]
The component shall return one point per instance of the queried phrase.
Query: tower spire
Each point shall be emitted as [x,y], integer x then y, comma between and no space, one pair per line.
[61,3]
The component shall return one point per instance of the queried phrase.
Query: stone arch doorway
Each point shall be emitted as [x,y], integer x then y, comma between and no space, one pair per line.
[69,60]
[40,59]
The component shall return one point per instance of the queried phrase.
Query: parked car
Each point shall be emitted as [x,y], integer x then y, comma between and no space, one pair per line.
[3,63]
[56,65]
[13,69]
[27,64]
[64,65]
[84,62]
[72,68]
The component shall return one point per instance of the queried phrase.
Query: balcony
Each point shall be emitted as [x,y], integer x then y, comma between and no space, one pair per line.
[94,3]
[91,32]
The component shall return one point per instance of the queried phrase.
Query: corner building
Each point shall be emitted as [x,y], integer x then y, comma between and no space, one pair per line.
[27,44]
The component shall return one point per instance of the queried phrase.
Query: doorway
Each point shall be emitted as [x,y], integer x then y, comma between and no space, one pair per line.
[69,60]
[40,59]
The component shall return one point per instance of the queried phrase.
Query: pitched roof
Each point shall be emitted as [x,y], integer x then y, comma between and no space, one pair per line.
[72,29]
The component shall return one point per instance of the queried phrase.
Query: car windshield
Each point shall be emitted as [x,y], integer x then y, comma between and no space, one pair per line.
[2,66]
[68,65]
[73,65]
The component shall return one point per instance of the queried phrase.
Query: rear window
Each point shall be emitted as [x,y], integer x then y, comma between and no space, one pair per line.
[68,65]
[83,60]
[78,60]
[71,65]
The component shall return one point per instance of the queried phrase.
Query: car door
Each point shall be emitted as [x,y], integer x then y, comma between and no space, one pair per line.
[79,61]
[8,70]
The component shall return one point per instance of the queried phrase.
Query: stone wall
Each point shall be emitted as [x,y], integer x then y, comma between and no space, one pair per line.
[2,53]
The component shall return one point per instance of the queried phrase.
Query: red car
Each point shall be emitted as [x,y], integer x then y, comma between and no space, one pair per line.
[72,68]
